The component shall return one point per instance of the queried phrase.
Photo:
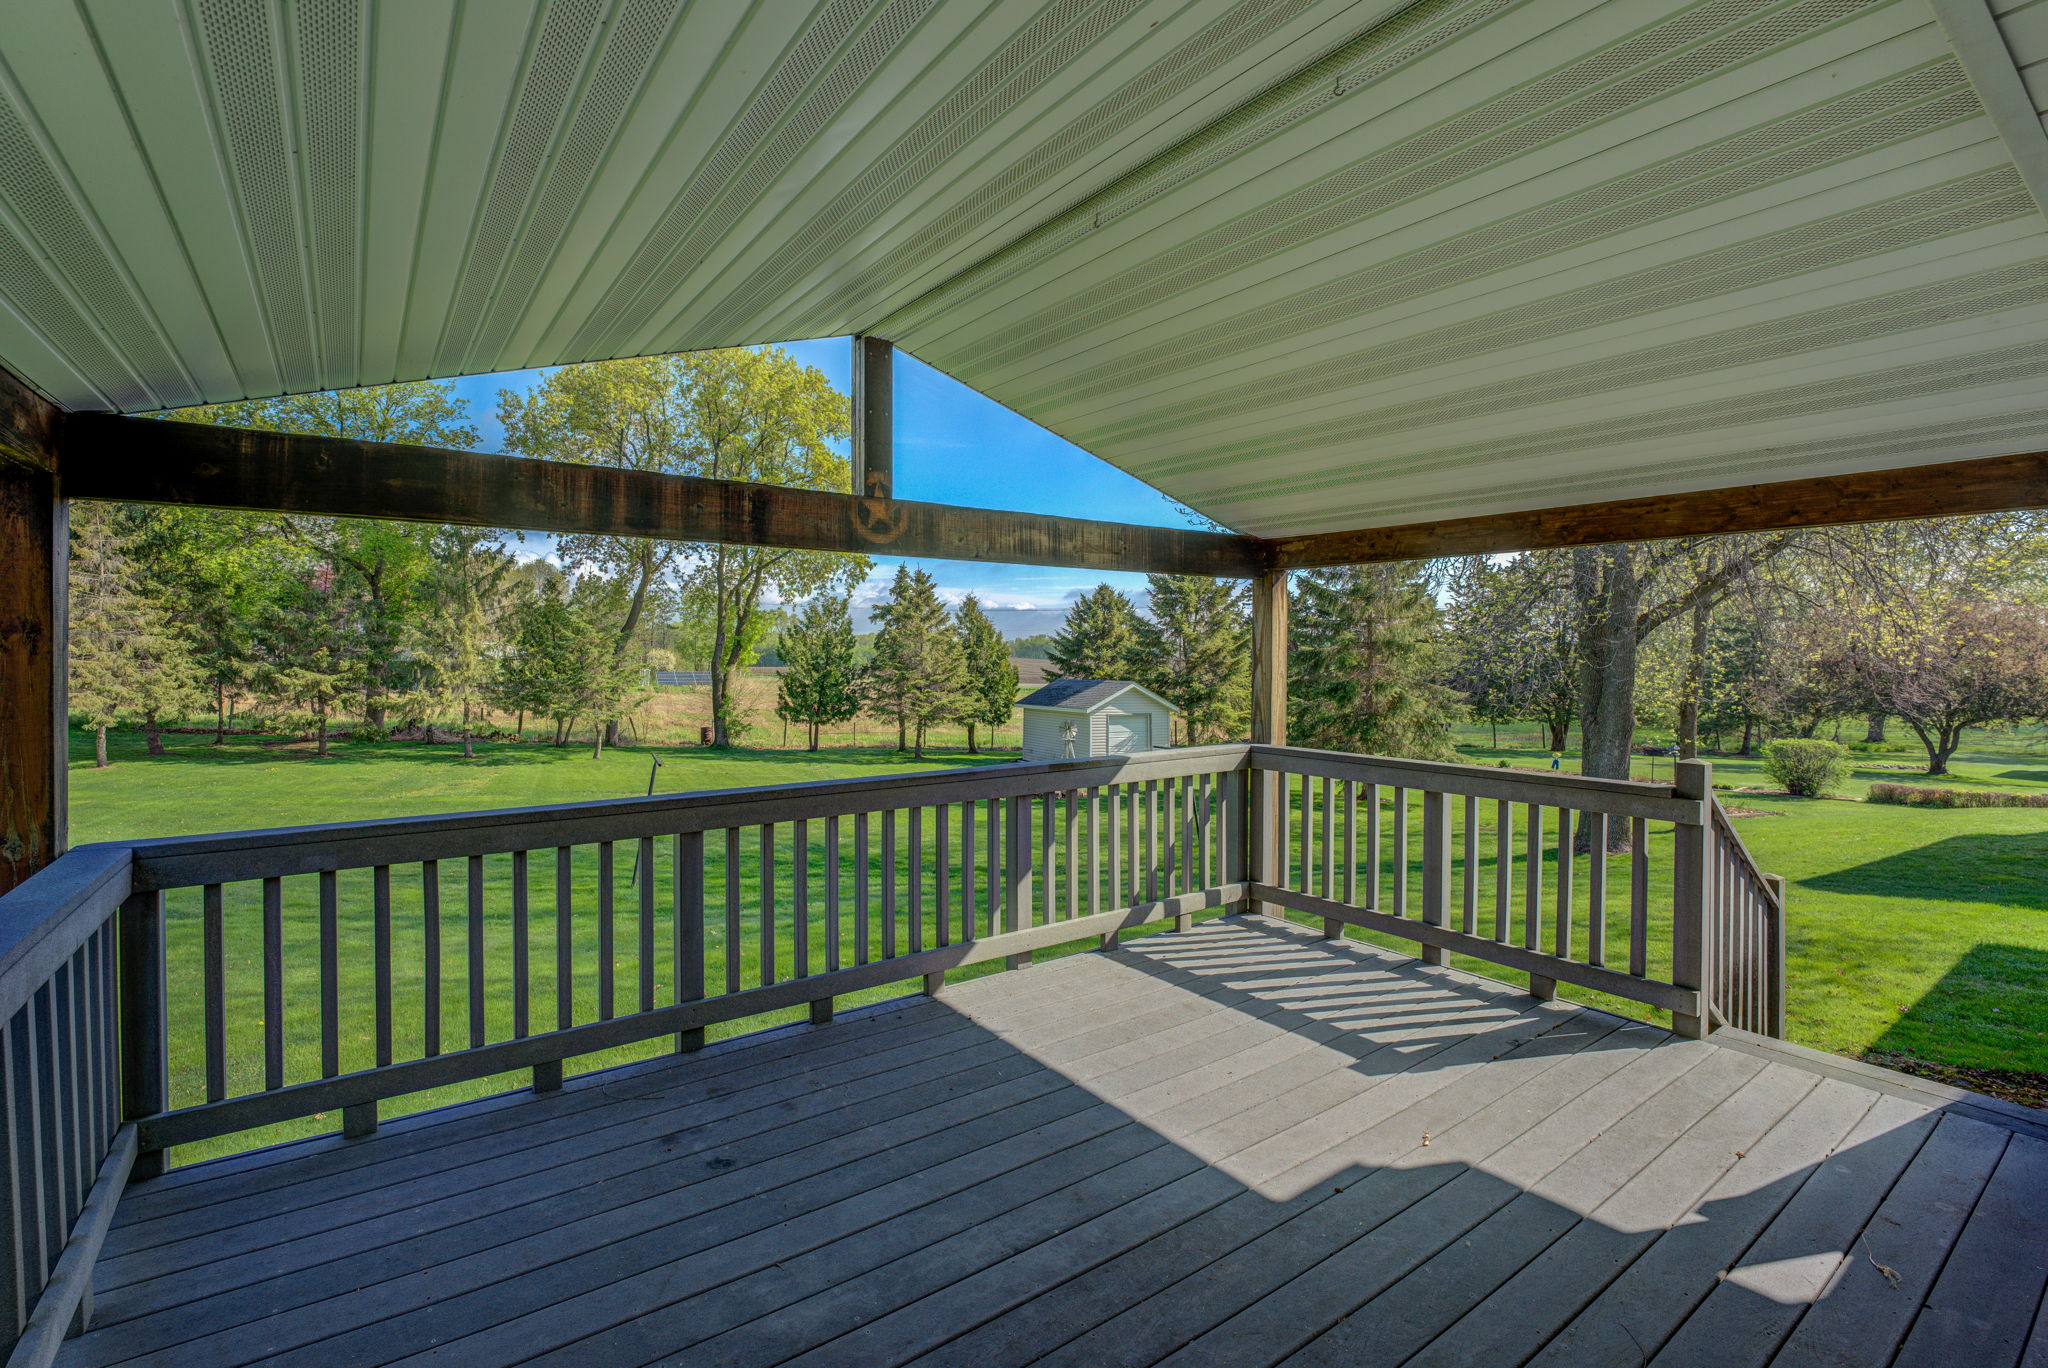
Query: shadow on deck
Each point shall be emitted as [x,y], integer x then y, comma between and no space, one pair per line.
[1240,1145]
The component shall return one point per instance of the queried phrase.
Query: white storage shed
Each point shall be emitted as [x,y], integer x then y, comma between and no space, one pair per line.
[1075,719]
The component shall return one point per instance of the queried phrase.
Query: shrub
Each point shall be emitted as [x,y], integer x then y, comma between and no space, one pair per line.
[1904,795]
[367,732]
[1811,769]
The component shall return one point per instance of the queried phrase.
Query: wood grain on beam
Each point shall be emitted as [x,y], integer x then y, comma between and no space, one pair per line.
[33,568]
[154,461]
[1996,484]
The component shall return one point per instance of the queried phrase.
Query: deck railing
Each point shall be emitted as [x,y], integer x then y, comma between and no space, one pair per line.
[165,992]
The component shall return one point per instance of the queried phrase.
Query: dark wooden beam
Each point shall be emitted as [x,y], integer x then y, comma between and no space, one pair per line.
[33,567]
[1996,484]
[1265,830]
[145,460]
[874,417]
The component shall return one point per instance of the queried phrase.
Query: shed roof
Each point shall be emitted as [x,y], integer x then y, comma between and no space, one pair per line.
[1301,264]
[1085,695]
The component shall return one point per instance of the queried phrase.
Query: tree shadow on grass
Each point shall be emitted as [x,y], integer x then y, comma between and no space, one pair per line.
[1991,867]
[1992,1004]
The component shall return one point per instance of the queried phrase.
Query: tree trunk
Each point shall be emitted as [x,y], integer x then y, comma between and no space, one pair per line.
[1873,730]
[153,737]
[519,729]
[320,725]
[902,732]
[1609,594]
[220,712]
[920,741]
[597,742]
[1560,734]
[1695,682]
[970,738]
[468,741]
[1748,737]
[99,748]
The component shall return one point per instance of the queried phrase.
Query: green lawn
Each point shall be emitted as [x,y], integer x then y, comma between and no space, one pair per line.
[1913,932]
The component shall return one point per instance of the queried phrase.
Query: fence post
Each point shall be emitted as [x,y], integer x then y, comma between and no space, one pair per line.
[145,1073]
[1774,972]
[1690,873]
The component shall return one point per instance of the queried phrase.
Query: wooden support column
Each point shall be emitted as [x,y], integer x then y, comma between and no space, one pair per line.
[34,561]
[874,418]
[1267,794]
[1691,895]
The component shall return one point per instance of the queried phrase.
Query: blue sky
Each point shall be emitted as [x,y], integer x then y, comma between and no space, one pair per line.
[955,446]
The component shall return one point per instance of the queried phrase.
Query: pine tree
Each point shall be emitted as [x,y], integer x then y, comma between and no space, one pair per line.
[459,629]
[542,674]
[1194,650]
[311,648]
[1099,639]
[917,671]
[127,659]
[1366,656]
[988,695]
[818,686]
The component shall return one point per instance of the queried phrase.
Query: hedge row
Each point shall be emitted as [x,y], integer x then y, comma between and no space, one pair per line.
[1907,796]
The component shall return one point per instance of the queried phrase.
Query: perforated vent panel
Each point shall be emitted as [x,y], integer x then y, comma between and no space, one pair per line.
[1304,264]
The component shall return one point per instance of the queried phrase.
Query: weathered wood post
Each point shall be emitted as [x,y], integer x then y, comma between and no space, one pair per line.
[34,562]
[1264,792]
[145,1031]
[874,418]
[1690,873]
[1017,873]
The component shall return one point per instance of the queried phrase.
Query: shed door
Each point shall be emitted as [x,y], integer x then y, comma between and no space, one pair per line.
[1128,735]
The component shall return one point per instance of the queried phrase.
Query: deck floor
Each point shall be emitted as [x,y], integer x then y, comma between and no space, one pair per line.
[1235,1146]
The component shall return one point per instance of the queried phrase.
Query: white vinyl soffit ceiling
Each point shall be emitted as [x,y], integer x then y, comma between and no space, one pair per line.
[1304,265]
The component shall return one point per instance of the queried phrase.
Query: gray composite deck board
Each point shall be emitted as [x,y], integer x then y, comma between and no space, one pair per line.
[1238,1145]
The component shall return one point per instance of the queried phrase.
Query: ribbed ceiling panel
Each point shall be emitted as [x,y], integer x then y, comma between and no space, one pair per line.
[1303,264]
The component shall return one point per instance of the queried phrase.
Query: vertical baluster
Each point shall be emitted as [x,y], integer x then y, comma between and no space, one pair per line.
[1400,907]
[430,956]
[1205,807]
[967,849]
[1095,850]
[861,874]
[15,1221]
[730,950]
[27,1063]
[71,1181]
[1436,870]
[688,877]
[1189,839]
[1328,855]
[1304,837]
[800,898]
[522,947]
[1048,855]
[888,885]
[1541,986]
[1071,854]
[1503,866]
[1468,922]
[476,951]
[942,873]
[767,903]
[1350,893]
[273,975]
[607,931]
[1638,896]
[1116,852]
[644,866]
[330,977]
[1017,874]
[834,855]
[565,930]
[1152,834]
[214,991]
[1374,881]
[1134,805]
[992,836]
[914,881]
[1596,889]
[1561,941]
